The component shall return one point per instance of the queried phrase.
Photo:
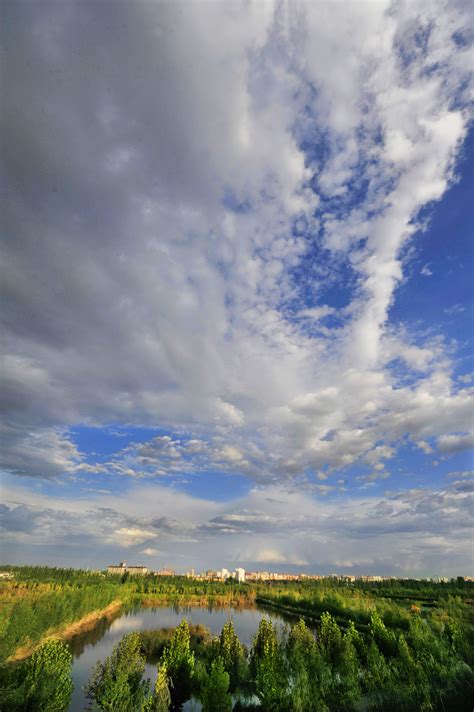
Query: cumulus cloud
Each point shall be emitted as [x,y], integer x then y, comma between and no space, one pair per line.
[149,551]
[455,443]
[186,186]
[166,196]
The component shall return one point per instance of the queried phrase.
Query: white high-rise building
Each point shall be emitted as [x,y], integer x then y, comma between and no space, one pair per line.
[240,575]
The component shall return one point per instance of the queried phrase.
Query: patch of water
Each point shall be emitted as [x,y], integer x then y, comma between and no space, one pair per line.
[97,644]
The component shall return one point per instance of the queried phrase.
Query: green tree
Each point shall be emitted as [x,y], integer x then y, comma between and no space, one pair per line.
[340,654]
[179,662]
[301,641]
[214,692]
[386,640]
[310,675]
[357,641]
[268,669]
[43,682]
[233,655]
[116,685]
[161,699]
[330,638]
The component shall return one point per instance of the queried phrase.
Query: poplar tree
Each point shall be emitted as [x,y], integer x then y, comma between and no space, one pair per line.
[43,682]
[232,654]
[116,685]
[179,662]
[268,669]
[161,700]
[215,695]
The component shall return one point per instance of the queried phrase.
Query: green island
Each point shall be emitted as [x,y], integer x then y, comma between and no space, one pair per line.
[388,646]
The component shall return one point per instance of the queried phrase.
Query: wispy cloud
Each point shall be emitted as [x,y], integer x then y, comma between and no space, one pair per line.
[210,211]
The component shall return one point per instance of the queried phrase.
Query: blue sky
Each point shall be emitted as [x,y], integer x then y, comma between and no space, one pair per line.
[238,308]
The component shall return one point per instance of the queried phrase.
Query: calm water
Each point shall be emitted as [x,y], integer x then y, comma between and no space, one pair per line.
[97,644]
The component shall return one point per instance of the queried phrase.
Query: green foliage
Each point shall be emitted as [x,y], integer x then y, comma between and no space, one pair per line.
[232,653]
[214,688]
[161,699]
[116,685]
[309,674]
[330,638]
[179,662]
[385,639]
[268,667]
[340,654]
[391,646]
[301,641]
[41,683]
[154,641]
[40,610]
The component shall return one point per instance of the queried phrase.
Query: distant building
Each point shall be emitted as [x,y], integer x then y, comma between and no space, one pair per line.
[122,568]
[165,572]
[240,575]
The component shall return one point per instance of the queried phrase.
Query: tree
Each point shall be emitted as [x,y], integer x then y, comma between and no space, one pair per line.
[385,639]
[357,641]
[309,675]
[268,669]
[301,641]
[330,638]
[116,685]
[214,695]
[232,654]
[161,699]
[179,662]
[42,683]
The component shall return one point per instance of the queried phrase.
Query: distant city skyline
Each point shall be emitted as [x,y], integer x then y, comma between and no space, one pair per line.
[237,309]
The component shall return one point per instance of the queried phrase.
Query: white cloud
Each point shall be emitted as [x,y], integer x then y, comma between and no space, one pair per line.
[456,443]
[149,551]
[131,536]
[426,447]
[421,531]
[465,473]
[160,221]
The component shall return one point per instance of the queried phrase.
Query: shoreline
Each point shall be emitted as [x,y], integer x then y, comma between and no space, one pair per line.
[151,600]
[68,631]
[89,621]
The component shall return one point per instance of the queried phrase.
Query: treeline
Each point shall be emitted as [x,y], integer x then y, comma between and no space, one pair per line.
[395,601]
[291,671]
[402,589]
[39,599]
[344,606]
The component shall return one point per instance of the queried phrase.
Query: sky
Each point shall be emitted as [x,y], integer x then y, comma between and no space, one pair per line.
[237,305]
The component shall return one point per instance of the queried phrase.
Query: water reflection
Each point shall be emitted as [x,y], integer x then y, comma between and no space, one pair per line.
[79,642]
[96,644]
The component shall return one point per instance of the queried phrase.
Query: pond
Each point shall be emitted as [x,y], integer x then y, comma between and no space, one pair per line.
[87,648]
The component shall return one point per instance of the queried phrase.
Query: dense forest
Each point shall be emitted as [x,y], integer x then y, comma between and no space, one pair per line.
[388,646]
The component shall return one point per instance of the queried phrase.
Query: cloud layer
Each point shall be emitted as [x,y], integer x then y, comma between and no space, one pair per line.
[209,210]
[419,531]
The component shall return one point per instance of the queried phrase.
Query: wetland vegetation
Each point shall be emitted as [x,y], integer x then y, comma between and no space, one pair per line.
[384,646]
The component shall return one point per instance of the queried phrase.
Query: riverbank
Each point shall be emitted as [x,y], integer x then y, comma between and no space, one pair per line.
[207,601]
[90,621]
[310,617]
[69,630]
